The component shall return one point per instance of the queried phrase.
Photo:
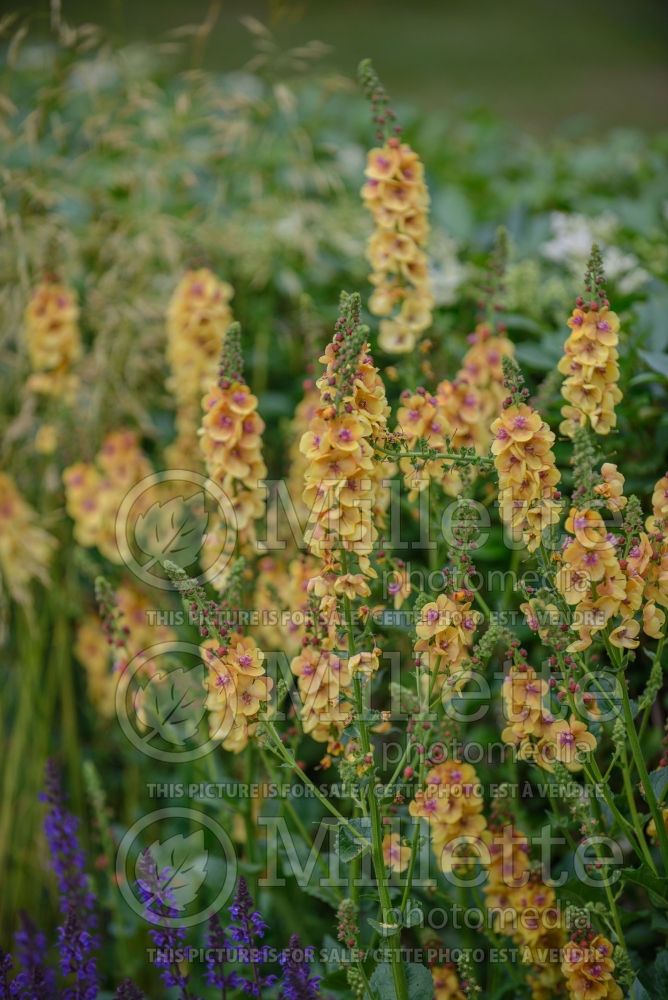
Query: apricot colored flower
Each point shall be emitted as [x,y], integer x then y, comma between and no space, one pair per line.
[395,854]
[53,339]
[26,548]
[396,195]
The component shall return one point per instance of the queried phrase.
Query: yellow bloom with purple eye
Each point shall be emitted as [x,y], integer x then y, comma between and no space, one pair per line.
[625,636]
[396,195]
[567,742]
[352,585]
[612,487]
[395,854]
[446,983]
[653,621]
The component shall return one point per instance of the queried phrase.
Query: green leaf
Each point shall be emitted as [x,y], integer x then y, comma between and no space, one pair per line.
[418,977]
[657,361]
[659,782]
[384,930]
[655,978]
[657,886]
[347,845]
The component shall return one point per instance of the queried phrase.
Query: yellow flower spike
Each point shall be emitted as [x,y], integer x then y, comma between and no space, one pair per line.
[53,339]
[25,548]
[198,316]
[590,359]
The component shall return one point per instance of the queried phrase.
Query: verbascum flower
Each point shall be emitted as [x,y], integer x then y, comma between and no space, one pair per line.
[421,417]
[656,570]
[482,370]
[588,968]
[94,491]
[445,631]
[341,479]
[600,584]
[324,680]
[590,359]
[53,339]
[297,461]
[651,826]
[198,317]
[237,689]
[396,195]
[25,548]
[452,803]
[525,465]
[231,443]
[446,983]
[395,854]
[522,907]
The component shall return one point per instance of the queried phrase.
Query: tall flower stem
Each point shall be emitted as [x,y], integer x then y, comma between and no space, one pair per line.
[394,939]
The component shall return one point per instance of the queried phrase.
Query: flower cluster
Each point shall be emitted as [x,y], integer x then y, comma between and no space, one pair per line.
[531,726]
[231,443]
[445,630]
[25,548]
[53,339]
[324,678]
[298,462]
[94,491]
[590,359]
[396,195]
[452,803]
[446,983]
[524,461]
[588,967]
[198,317]
[237,687]
[480,383]
[342,479]
[77,937]
[522,907]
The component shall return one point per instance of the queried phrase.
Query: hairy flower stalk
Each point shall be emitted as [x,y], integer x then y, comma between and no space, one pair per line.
[590,358]
[231,443]
[396,195]
[53,339]
[198,317]
[26,549]
[525,464]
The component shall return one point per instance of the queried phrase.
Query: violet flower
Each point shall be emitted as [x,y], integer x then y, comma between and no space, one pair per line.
[76,935]
[35,981]
[297,982]
[152,886]
[216,943]
[5,973]
[248,929]
[128,991]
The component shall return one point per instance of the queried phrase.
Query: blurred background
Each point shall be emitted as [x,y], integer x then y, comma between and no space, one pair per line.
[536,63]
